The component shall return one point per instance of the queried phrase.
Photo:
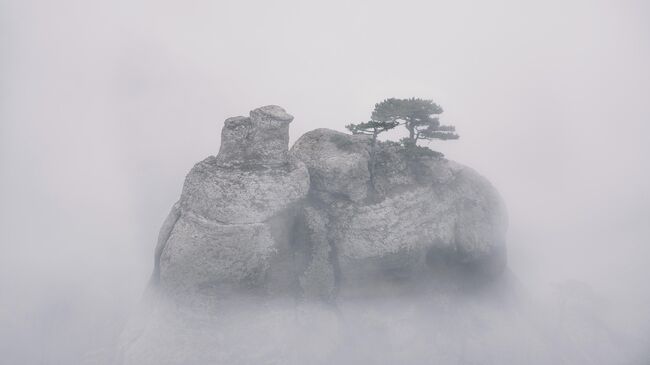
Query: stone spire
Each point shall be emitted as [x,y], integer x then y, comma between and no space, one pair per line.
[261,138]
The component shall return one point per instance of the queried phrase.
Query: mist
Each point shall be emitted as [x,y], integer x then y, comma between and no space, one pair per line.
[105,106]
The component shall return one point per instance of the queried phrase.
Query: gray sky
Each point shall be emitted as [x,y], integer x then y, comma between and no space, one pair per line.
[105,106]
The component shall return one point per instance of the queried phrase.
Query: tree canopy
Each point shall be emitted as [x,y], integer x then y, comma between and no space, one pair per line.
[420,117]
[371,127]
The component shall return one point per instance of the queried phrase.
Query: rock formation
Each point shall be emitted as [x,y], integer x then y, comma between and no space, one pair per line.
[231,229]
[415,219]
[310,225]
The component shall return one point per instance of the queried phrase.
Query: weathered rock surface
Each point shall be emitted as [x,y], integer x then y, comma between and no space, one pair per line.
[314,222]
[269,250]
[263,136]
[231,229]
[415,219]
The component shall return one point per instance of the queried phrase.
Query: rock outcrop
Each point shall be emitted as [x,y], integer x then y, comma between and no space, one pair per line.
[267,249]
[414,220]
[314,223]
[231,230]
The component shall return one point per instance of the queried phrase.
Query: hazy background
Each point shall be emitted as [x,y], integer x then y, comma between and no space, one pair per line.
[105,106]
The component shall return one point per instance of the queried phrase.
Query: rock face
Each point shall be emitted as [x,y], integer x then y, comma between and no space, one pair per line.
[415,219]
[314,223]
[231,229]
[264,136]
[306,231]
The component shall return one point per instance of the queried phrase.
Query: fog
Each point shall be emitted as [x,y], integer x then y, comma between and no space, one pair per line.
[105,106]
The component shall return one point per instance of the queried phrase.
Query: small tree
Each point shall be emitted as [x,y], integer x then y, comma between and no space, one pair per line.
[372,128]
[420,117]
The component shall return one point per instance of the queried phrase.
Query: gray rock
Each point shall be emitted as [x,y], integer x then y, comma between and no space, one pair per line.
[246,223]
[243,193]
[416,218]
[337,162]
[231,230]
[268,250]
[262,137]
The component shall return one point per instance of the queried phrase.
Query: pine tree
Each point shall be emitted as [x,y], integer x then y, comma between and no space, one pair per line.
[419,116]
[372,128]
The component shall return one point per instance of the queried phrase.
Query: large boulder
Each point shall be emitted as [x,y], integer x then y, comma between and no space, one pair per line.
[414,220]
[274,256]
[231,230]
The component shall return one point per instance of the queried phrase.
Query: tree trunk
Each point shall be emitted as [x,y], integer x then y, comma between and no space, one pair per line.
[371,168]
